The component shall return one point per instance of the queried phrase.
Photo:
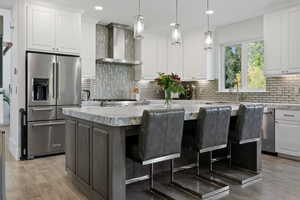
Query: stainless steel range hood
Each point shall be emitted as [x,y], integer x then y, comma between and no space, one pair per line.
[121,46]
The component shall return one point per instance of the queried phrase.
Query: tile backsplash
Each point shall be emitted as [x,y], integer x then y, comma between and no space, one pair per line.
[279,89]
[114,81]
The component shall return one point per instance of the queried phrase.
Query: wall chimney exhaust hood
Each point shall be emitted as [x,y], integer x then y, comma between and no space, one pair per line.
[121,46]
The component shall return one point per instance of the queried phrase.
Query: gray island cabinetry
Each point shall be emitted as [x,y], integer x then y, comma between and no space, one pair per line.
[96,147]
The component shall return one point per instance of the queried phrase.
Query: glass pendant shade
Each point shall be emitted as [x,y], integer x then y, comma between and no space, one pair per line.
[176,37]
[209,39]
[139,27]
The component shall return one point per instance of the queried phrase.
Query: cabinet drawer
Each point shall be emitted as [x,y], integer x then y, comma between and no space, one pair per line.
[288,138]
[287,115]
[41,113]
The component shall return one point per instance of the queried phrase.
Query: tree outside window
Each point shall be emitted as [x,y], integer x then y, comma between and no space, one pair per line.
[243,67]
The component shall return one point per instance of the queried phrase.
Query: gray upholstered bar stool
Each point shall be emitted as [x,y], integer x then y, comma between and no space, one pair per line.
[211,134]
[160,139]
[247,129]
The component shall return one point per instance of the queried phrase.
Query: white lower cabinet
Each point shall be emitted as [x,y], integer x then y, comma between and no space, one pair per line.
[287,134]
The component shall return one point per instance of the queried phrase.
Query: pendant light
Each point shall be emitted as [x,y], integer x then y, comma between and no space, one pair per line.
[176,38]
[208,34]
[139,25]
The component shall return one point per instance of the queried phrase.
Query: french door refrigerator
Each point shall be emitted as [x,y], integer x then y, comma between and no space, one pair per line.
[53,82]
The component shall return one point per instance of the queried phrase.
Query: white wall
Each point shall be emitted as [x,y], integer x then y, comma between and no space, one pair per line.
[7,38]
[246,30]
[17,76]
[250,29]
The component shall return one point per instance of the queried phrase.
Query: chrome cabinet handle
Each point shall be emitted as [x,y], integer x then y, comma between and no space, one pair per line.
[56,145]
[42,109]
[288,115]
[48,124]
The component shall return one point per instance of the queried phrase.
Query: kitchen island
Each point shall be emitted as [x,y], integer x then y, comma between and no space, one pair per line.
[96,147]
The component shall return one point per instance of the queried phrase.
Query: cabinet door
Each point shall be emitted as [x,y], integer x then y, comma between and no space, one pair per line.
[294,40]
[88,48]
[274,59]
[58,138]
[288,138]
[149,57]
[71,145]
[41,28]
[194,56]
[175,59]
[162,55]
[83,151]
[68,32]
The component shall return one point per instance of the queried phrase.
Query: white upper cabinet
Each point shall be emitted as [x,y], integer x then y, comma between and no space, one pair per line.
[41,28]
[282,40]
[152,51]
[68,32]
[198,63]
[175,59]
[88,48]
[294,40]
[189,60]
[54,31]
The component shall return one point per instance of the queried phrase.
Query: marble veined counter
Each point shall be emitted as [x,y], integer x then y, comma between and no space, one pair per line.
[132,115]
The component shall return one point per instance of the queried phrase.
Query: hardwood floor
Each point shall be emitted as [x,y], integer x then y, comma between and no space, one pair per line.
[45,179]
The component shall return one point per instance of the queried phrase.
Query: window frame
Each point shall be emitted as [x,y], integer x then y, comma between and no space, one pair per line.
[244,67]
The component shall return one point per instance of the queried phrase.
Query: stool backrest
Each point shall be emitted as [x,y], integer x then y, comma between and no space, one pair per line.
[249,123]
[213,127]
[161,133]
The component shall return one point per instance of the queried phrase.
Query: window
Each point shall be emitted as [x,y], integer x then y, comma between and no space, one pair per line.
[242,67]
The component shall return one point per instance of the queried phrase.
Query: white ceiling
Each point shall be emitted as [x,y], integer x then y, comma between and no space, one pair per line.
[6,4]
[160,13]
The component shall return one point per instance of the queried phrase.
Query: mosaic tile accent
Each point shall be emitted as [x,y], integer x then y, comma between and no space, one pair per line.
[114,81]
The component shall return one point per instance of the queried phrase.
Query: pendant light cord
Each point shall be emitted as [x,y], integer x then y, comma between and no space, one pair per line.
[208,19]
[176,11]
[139,7]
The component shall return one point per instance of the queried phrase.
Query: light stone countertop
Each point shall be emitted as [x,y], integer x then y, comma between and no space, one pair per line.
[132,115]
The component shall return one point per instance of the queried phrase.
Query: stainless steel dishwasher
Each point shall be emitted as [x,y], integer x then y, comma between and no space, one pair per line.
[268,135]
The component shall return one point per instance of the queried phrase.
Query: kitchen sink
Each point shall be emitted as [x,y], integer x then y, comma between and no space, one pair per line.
[124,103]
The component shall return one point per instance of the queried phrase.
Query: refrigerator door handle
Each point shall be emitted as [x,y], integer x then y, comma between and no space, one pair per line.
[57,81]
[48,124]
[53,79]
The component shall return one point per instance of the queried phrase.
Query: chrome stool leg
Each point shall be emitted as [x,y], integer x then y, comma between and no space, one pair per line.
[153,189]
[221,187]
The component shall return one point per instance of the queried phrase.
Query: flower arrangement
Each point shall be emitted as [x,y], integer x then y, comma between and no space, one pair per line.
[170,83]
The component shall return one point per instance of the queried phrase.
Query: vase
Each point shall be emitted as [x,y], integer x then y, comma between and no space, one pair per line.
[168,98]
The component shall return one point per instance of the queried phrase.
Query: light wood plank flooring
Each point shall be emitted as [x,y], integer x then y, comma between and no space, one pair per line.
[46,179]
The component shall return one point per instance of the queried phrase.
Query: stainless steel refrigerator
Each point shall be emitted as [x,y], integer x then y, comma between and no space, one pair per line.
[53,82]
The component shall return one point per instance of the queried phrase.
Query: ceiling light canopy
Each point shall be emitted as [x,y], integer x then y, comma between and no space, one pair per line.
[209,12]
[99,8]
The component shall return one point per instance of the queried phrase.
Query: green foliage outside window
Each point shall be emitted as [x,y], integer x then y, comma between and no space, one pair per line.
[234,69]
[233,66]
[256,77]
